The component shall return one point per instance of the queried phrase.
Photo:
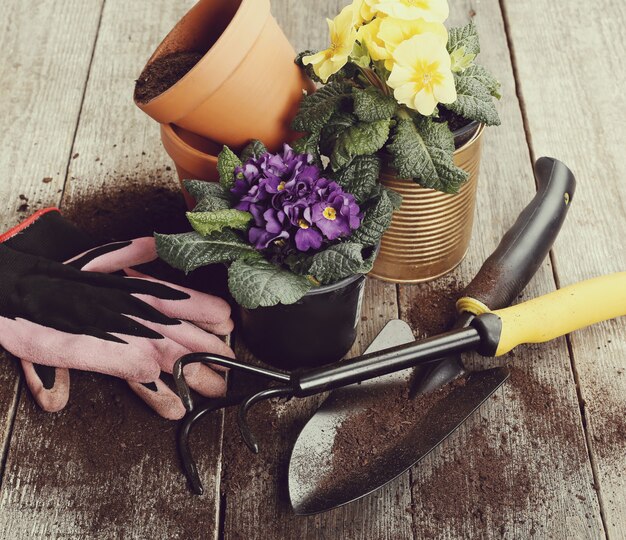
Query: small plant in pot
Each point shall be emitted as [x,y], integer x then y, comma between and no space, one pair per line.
[403,99]
[298,245]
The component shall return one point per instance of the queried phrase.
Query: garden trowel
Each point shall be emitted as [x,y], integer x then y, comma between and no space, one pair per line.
[312,485]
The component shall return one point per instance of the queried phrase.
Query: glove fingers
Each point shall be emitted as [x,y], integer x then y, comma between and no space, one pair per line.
[116,256]
[219,329]
[204,380]
[49,386]
[198,307]
[160,399]
[135,359]
[183,339]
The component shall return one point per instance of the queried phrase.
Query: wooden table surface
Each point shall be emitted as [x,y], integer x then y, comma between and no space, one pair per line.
[107,468]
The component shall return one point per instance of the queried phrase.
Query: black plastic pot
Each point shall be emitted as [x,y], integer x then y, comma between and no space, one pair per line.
[319,329]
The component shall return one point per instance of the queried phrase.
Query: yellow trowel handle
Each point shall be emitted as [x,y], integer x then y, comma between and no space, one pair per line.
[561,312]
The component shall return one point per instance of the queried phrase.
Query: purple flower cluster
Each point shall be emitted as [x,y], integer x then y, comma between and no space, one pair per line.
[292,203]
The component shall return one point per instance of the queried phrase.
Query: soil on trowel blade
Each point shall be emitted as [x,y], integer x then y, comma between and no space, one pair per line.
[163,73]
[375,431]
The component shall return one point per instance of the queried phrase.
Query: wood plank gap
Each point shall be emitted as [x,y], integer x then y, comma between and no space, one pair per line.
[82,102]
[518,87]
[6,444]
[557,282]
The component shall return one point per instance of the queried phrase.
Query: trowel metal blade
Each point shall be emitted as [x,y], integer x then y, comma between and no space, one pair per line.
[313,486]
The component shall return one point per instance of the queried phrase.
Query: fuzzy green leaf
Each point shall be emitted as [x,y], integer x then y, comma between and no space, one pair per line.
[206,223]
[474,101]
[227,162]
[209,196]
[259,283]
[359,140]
[189,251]
[460,60]
[338,262]
[423,151]
[466,37]
[255,149]
[338,123]
[371,105]
[395,198]
[482,76]
[308,69]
[375,221]
[360,177]
[308,144]
[317,108]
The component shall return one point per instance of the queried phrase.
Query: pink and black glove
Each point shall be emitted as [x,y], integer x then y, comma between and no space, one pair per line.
[60,309]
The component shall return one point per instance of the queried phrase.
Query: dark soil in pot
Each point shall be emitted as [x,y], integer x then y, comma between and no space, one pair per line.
[163,73]
[462,128]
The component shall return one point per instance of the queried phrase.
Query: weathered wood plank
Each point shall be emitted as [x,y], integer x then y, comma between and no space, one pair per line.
[519,468]
[571,79]
[42,79]
[107,466]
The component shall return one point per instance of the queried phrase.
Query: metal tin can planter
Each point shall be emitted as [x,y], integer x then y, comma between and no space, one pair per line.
[317,330]
[430,233]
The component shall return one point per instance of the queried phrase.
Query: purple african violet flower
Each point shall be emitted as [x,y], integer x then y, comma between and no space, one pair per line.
[291,203]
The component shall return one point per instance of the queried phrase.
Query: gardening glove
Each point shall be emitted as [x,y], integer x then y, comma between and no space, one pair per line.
[77,316]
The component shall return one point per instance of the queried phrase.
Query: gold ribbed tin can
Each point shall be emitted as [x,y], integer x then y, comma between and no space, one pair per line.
[430,233]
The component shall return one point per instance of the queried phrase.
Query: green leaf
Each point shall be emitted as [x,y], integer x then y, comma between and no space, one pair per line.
[359,140]
[309,68]
[308,144]
[317,108]
[189,251]
[360,56]
[474,101]
[371,105]
[209,196]
[460,61]
[338,123]
[338,262]
[466,37]
[360,177]
[227,162]
[482,76]
[375,221]
[424,154]
[395,198]
[259,283]
[255,149]
[206,223]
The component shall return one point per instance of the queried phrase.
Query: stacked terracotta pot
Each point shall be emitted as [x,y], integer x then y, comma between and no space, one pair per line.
[245,86]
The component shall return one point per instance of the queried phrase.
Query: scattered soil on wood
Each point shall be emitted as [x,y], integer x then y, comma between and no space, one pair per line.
[163,73]
[136,205]
[433,309]
[484,484]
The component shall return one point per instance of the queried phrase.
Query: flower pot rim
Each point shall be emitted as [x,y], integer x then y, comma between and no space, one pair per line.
[169,132]
[232,44]
[323,289]
[463,130]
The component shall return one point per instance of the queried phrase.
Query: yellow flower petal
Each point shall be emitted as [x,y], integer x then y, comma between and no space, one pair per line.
[421,76]
[429,10]
[368,36]
[425,102]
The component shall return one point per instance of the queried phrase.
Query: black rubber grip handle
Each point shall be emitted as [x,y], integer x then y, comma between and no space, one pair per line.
[505,274]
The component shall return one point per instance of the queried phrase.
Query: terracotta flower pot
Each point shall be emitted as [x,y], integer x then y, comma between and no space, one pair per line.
[430,233]
[246,86]
[195,157]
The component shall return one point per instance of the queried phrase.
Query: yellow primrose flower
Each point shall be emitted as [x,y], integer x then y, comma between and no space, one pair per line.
[368,35]
[421,76]
[409,10]
[393,32]
[364,11]
[342,38]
